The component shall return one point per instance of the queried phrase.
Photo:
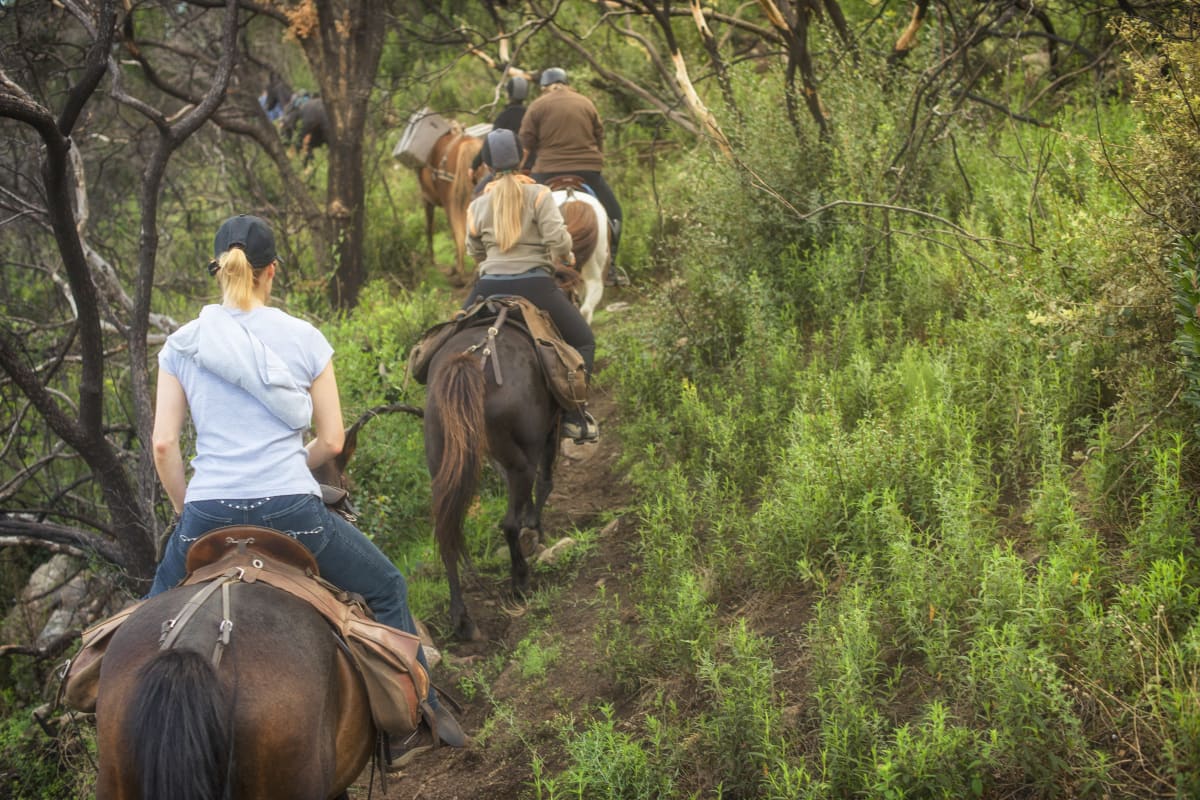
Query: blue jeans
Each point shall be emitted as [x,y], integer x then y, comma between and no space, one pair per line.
[345,556]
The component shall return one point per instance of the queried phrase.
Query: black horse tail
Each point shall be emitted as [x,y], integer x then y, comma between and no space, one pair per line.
[180,729]
[457,392]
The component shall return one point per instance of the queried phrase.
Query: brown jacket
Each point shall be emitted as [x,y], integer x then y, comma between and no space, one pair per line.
[563,128]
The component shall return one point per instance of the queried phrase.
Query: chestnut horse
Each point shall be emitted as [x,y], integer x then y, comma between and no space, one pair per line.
[283,715]
[505,411]
[446,181]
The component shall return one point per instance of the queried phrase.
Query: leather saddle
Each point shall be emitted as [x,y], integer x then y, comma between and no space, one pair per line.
[569,182]
[216,544]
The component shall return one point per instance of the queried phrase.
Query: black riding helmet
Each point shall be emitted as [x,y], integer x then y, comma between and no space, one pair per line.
[517,88]
[502,150]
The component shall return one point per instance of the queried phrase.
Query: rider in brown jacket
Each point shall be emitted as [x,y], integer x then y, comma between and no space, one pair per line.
[564,129]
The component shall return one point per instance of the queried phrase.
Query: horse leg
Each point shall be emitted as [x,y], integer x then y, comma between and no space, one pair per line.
[545,482]
[593,280]
[429,209]
[464,627]
[520,492]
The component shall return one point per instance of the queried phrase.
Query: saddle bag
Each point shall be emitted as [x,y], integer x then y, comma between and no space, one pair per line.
[81,674]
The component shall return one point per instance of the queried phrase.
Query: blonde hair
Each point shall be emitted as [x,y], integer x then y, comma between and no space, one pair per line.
[508,205]
[240,282]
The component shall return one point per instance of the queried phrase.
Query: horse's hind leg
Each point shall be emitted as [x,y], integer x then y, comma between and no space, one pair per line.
[520,492]
[429,210]
[544,484]
[465,628]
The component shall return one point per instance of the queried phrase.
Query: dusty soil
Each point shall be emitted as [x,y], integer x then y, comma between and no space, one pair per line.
[588,494]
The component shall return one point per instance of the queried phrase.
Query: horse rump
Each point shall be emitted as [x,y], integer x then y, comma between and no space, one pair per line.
[179,728]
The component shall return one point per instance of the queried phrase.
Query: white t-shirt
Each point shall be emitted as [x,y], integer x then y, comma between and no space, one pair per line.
[244,451]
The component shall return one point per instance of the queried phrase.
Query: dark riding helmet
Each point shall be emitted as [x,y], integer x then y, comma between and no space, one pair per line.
[517,88]
[553,75]
[502,150]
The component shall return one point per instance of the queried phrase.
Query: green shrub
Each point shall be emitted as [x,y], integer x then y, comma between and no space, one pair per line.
[609,764]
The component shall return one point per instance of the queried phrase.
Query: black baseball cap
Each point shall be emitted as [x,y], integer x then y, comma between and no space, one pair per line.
[251,234]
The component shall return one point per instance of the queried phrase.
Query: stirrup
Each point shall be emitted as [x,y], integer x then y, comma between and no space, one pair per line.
[588,431]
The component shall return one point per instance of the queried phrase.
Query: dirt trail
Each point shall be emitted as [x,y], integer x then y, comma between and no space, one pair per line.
[497,762]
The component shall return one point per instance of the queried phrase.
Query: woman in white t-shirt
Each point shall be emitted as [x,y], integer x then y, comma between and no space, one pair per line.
[253,379]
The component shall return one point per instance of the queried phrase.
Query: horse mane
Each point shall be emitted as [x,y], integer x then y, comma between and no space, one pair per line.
[580,219]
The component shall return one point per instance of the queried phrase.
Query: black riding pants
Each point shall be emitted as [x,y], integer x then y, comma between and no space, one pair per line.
[604,194]
[541,290]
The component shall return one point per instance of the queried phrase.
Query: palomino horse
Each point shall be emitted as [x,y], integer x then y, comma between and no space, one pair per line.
[446,181]
[283,716]
[587,222]
[505,411]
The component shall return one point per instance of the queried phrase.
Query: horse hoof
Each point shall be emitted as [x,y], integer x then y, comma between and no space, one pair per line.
[468,631]
[529,539]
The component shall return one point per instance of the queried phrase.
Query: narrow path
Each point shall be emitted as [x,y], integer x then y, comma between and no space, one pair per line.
[510,714]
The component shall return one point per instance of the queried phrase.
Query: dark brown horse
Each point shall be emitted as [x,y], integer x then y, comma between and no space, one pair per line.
[446,181]
[283,715]
[505,413]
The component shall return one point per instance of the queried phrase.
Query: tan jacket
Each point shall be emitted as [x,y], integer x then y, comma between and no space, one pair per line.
[544,238]
[563,128]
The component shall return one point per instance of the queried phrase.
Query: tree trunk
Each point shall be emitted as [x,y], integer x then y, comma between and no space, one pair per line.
[343,46]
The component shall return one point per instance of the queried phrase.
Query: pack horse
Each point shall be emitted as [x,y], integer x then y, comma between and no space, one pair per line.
[441,150]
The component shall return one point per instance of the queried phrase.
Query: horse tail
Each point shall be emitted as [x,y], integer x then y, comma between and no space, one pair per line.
[180,729]
[464,181]
[580,219]
[457,392]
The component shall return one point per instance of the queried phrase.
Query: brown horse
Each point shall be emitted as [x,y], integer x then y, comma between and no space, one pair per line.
[505,411]
[446,181]
[283,715]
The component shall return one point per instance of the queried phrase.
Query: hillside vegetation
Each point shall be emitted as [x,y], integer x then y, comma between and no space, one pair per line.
[918,477]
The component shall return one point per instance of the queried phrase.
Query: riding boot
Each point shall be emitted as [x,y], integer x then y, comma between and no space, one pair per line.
[616,276]
[425,738]
[580,426]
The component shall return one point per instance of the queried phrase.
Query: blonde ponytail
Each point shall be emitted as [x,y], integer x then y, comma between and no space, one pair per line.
[508,205]
[239,281]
